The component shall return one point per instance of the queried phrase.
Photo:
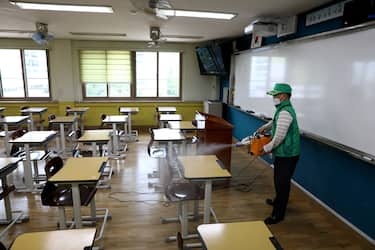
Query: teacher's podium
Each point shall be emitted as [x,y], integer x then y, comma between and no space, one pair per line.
[215,138]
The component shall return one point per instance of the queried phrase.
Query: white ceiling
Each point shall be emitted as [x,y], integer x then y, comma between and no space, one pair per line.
[136,26]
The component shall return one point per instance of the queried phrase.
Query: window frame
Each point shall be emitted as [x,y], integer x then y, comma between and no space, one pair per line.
[133,81]
[24,78]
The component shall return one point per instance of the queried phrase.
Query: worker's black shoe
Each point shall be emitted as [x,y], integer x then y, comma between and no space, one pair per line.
[272,220]
[269,202]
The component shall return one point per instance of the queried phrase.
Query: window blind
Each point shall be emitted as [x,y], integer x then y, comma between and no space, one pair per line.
[100,66]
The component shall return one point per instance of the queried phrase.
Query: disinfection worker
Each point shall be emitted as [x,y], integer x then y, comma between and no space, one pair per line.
[285,148]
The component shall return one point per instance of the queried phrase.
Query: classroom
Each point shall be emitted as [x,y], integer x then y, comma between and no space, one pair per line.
[170,124]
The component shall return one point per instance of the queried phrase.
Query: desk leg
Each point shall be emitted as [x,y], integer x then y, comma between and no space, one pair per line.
[207,201]
[76,205]
[7,205]
[94,153]
[130,124]
[30,126]
[81,121]
[115,139]
[7,145]
[27,169]
[40,120]
[62,138]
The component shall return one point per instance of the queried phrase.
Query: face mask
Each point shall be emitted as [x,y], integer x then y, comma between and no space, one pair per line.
[276,101]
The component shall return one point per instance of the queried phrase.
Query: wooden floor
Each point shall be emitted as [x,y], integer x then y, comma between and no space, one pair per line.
[136,209]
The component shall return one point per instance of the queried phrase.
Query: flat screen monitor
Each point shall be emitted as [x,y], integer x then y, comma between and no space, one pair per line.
[206,61]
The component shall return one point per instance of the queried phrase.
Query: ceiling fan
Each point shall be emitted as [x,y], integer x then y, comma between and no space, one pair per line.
[157,37]
[41,35]
[152,7]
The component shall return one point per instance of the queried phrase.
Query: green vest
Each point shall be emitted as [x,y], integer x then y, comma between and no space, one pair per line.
[290,146]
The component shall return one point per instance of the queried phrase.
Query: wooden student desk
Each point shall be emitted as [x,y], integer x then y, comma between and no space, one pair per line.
[165,118]
[129,111]
[115,120]
[182,125]
[76,239]
[11,120]
[78,171]
[34,110]
[205,168]
[252,235]
[62,121]
[32,139]
[78,111]
[166,110]
[97,136]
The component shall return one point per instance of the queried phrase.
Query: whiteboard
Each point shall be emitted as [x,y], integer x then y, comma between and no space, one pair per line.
[333,82]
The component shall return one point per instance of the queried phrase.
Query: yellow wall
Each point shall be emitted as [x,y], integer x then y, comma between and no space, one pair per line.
[145,117]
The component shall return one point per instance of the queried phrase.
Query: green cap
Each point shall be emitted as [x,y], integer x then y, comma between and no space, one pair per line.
[280,88]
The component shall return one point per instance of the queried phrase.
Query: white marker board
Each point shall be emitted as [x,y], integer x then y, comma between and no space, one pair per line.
[333,81]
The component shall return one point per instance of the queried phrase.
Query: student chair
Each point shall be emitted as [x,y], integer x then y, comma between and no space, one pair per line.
[61,195]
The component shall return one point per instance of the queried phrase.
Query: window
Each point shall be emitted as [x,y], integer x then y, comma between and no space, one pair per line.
[105,73]
[111,74]
[158,74]
[24,73]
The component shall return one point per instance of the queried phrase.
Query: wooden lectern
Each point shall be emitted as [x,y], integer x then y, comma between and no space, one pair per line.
[216,138]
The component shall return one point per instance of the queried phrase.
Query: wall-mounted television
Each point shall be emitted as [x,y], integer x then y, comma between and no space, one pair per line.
[210,60]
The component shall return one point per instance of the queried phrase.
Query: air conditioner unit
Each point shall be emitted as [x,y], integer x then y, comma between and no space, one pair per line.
[265,29]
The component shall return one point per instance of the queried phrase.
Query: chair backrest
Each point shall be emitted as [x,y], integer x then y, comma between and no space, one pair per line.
[16,150]
[66,110]
[18,133]
[51,117]
[78,134]
[24,107]
[103,116]
[53,166]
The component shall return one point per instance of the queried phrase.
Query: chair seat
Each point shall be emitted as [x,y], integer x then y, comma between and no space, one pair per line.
[181,191]
[61,195]
[10,133]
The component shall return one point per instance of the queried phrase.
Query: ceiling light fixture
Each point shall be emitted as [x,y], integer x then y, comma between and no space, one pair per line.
[63,7]
[97,34]
[199,14]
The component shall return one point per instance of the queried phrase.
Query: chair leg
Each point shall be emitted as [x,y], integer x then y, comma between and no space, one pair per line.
[62,220]
[196,209]
[36,171]
[184,219]
[93,208]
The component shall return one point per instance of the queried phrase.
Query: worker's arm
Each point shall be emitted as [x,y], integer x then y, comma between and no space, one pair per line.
[282,126]
[265,127]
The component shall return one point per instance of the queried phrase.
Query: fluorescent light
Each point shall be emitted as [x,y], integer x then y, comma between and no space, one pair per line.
[63,7]
[199,14]
[97,34]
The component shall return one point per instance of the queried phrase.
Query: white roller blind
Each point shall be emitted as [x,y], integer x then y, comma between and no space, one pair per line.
[99,66]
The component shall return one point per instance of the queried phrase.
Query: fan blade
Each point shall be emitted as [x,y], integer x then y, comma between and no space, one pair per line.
[181,36]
